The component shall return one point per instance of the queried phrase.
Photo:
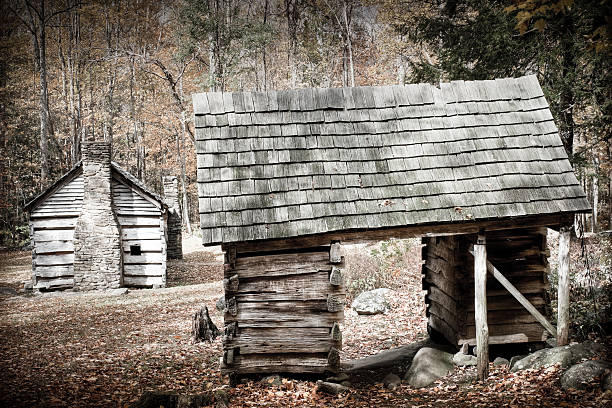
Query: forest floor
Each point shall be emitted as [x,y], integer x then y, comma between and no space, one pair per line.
[100,349]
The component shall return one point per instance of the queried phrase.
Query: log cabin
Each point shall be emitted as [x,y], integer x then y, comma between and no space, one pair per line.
[286,177]
[98,227]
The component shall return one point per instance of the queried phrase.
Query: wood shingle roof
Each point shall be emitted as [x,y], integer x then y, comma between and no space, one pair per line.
[291,163]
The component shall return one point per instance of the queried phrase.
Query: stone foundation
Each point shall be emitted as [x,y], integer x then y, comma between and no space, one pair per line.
[175,228]
[97,237]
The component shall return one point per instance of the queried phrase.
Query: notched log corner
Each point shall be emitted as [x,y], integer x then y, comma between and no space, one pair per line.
[203,328]
[231,284]
[335,277]
[335,303]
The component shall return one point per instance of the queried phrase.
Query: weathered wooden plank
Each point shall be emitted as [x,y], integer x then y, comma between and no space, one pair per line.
[520,298]
[267,318]
[53,235]
[51,247]
[506,339]
[142,280]
[412,231]
[534,331]
[280,363]
[443,328]
[55,213]
[563,289]
[282,264]
[445,315]
[287,344]
[309,286]
[151,245]
[54,259]
[54,271]
[54,283]
[438,296]
[144,258]
[508,302]
[54,222]
[141,221]
[480,307]
[141,233]
[147,270]
[503,317]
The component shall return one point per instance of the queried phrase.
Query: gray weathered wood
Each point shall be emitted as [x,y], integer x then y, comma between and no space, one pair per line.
[507,339]
[142,281]
[563,290]
[480,307]
[520,298]
[143,270]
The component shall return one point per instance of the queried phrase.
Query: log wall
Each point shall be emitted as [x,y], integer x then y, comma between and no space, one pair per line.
[283,311]
[52,230]
[520,255]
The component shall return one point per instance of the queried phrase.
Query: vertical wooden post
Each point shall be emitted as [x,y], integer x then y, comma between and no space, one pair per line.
[480,306]
[563,290]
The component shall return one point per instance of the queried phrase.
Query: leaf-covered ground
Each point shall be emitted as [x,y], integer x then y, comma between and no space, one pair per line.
[104,350]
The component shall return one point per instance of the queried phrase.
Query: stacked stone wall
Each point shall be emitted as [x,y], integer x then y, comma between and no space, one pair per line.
[175,229]
[97,236]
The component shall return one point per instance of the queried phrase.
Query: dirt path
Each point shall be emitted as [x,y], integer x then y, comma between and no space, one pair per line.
[105,350]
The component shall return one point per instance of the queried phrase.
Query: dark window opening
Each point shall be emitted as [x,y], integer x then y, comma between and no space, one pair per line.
[135,250]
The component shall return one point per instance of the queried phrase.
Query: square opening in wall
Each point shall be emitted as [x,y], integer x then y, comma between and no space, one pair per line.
[135,250]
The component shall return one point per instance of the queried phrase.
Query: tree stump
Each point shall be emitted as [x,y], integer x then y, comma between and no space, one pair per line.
[203,329]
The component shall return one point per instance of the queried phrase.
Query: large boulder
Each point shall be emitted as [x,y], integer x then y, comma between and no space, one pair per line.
[565,356]
[372,302]
[580,375]
[395,360]
[428,365]
[463,360]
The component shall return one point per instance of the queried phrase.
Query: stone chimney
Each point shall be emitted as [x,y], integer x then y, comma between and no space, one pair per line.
[97,237]
[174,230]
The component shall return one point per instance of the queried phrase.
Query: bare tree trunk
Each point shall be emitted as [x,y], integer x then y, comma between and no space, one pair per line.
[349,44]
[182,158]
[595,191]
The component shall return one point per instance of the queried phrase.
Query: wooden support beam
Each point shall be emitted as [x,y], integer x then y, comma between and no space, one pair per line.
[519,297]
[563,290]
[480,306]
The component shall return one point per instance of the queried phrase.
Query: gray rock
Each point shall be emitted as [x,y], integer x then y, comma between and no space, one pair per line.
[338,378]
[331,388]
[514,359]
[606,382]
[118,291]
[5,290]
[346,384]
[220,305]
[551,342]
[272,380]
[427,366]
[461,360]
[391,381]
[372,302]
[399,357]
[579,375]
[564,356]
[500,361]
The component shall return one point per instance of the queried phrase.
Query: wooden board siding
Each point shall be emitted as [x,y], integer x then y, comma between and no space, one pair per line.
[281,311]
[520,255]
[52,226]
[142,223]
